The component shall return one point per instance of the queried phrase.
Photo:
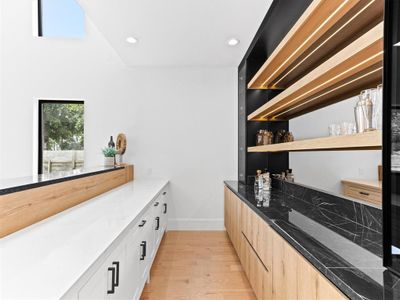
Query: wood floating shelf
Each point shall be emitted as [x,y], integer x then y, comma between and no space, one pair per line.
[362,141]
[321,30]
[359,65]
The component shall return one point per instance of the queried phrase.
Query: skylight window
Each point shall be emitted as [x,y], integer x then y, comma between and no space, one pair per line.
[61,19]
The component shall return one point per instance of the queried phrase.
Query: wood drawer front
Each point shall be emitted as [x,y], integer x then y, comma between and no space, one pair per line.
[259,276]
[295,278]
[232,218]
[362,193]
[258,234]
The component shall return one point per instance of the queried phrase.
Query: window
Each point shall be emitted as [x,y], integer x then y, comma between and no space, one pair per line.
[61,19]
[61,135]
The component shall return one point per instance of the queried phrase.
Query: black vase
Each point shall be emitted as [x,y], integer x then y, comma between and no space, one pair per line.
[111,143]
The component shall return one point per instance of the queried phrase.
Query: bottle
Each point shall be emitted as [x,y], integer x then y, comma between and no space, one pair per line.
[111,143]
[259,138]
[258,182]
[267,182]
[289,175]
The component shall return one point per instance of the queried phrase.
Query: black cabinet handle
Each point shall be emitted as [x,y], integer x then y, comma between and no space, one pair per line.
[156,204]
[143,245]
[142,224]
[164,193]
[116,264]
[165,208]
[112,291]
[364,193]
[157,223]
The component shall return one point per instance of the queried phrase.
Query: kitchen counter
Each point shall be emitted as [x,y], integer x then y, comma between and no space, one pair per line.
[349,254]
[24,183]
[44,260]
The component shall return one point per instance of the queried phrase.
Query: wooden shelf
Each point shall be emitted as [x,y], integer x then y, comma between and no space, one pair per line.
[321,30]
[362,141]
[357,66]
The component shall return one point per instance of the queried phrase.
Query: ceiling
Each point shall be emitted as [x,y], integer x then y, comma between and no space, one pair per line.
[178,32]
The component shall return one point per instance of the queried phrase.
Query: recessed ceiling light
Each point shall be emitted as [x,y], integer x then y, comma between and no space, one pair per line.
[131,40]
[233,42]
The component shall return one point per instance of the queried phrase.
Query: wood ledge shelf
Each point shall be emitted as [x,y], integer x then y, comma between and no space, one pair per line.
[356,67]
[362,141]
[315,36]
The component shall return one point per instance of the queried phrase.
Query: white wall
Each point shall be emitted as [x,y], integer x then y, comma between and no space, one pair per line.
[325,170]
[181,123]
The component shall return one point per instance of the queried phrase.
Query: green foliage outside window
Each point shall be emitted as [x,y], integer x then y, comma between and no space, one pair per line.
[63,126]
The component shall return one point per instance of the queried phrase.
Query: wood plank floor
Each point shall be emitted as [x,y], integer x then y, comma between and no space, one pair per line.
[197,265]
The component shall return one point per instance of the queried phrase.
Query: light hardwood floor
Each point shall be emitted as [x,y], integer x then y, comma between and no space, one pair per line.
[197,265]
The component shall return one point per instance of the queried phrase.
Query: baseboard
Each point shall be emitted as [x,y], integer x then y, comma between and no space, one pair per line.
[196,224]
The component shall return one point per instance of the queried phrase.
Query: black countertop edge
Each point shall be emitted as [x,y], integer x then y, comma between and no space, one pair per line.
[342,278]
[26,183]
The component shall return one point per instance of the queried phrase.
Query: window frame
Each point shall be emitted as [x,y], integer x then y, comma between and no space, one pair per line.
[40,124]
[40,24]
[40,18]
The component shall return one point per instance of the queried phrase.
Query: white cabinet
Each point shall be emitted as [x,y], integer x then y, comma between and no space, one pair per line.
[126,269]
[109,281]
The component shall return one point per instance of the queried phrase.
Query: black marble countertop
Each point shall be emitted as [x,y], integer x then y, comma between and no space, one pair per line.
[348,253]
[13,185]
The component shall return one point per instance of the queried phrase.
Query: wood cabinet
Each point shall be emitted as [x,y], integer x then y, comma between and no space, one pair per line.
[369,191]
[258,233]
[259,275]
[273,267]
[232,218]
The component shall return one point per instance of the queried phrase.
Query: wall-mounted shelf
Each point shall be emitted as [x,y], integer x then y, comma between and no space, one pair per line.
[357,66]
[323,28]
[362,141]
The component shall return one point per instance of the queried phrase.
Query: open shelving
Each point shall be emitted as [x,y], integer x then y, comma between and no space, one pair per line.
[362,141]
[324,27]
[359,65]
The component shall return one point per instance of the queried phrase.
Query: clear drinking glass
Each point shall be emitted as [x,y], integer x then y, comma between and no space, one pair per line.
[377,108]
[334,129]
[347,128]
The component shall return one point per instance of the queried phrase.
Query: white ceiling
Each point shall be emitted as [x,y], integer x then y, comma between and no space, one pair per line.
[178,32]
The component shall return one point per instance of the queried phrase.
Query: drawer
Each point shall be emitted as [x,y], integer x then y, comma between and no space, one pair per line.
[364,194]
[259,276]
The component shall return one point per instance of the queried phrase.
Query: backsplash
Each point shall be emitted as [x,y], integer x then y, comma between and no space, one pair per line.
[361,214]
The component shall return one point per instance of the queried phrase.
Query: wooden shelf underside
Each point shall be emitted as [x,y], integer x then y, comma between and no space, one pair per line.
[322,29]
[362,141]
[357,66]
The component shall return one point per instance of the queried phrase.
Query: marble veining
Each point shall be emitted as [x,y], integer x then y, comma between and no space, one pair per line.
[341,238]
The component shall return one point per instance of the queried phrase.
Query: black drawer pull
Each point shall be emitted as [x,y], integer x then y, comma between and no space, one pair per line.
[165,208]
[157,223]
[143,245]
[142,224]
[364,193]
[164,193]
[116,264]
[112,291]
[156,204]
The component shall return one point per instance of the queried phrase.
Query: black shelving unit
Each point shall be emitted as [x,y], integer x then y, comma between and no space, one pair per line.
[391,138]
[280,18]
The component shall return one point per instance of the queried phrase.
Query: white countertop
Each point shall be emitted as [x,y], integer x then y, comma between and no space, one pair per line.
[44,260]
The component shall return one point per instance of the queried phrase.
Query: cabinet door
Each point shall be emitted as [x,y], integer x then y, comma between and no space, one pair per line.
[133,257]
[284,268]
[106,283]
[236,230]
[227,210]
[96,287]
[312,285]
[164,211]
[259,276]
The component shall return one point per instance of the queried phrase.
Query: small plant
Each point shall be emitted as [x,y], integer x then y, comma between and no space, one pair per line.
[109,152]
